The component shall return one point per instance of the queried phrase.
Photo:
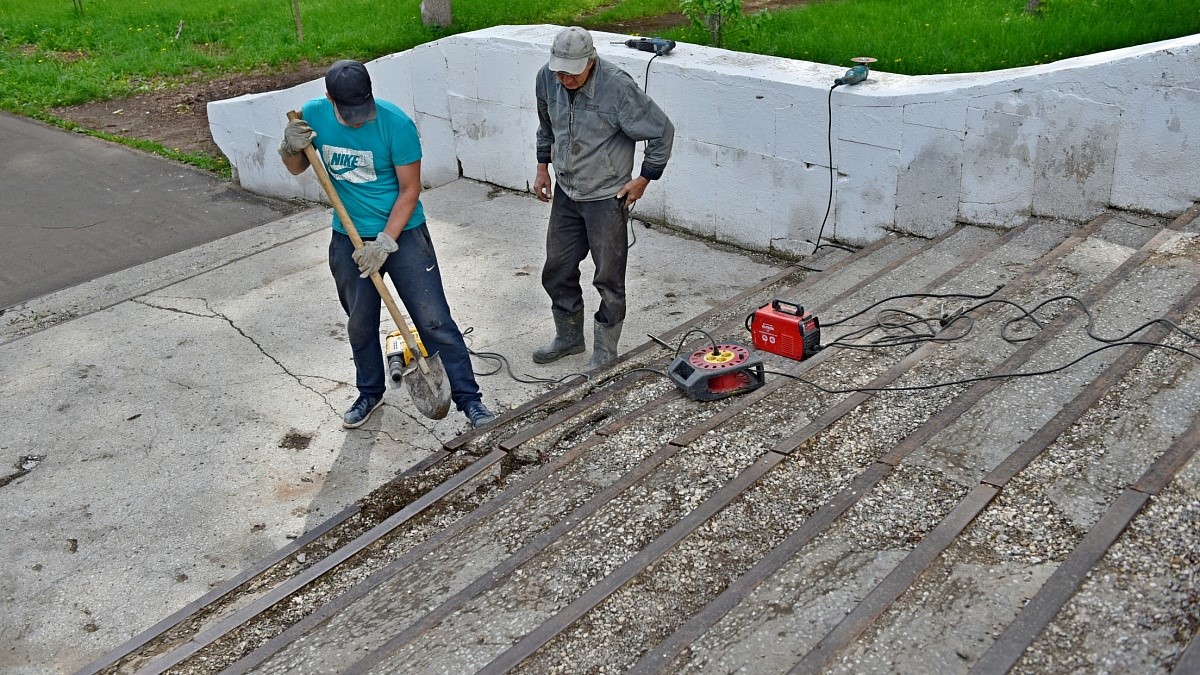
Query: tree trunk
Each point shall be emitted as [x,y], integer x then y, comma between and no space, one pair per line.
[436,13]
[299,23]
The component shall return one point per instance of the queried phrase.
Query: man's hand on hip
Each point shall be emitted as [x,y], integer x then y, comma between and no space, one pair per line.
[373,254]
[633,191]
[541,184]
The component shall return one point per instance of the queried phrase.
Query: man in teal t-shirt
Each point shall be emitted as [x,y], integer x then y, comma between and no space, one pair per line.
[372,153]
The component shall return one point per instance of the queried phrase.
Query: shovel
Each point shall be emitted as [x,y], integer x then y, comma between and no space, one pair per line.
[428,386]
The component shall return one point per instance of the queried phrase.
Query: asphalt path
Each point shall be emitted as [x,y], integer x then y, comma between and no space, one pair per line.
[76,208]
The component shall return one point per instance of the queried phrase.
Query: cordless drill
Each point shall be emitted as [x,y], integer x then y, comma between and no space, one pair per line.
[658,46]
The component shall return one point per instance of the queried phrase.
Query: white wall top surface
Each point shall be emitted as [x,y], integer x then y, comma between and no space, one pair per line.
[752,164]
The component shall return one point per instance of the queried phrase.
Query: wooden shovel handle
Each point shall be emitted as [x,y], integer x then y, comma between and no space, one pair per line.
[318,168]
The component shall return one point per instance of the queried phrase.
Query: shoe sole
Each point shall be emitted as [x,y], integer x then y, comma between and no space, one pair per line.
[558,355]
[348,425]
[483,423]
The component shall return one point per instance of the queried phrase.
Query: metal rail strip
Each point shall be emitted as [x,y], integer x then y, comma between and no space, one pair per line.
[657,658]
[930,547]
[279,641]
[1062,584]
[131,646]
[155,632]
[719,500]
[381,576]
[282,591]
[536,546]
[598,397]
[643,558]
[194,608]
[926,552]
[1189,661]
[465,438]
[686,526]
[638,473]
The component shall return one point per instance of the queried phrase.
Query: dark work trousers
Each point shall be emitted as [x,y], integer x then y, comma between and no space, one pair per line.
[577,228]
[415,274]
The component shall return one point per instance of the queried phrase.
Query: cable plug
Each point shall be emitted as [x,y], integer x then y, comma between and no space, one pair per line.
[950,318]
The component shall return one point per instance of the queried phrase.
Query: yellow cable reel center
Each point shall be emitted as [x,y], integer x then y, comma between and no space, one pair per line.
[723,356]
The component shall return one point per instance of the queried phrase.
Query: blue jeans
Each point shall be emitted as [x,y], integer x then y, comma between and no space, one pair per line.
[415,274]
[577,229]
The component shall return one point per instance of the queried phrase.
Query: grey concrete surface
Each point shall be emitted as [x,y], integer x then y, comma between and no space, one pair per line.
[153,418]
[76,208]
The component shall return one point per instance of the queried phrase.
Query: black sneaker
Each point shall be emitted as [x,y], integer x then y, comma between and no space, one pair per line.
[358,413]
[478,413]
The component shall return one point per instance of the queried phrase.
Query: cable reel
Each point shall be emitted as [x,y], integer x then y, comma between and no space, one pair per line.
[718,371]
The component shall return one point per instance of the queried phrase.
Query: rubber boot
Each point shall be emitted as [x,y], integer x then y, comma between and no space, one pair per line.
[568,338]
[604,346]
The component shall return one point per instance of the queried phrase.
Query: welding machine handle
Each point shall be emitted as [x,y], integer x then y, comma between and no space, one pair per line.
[778,306]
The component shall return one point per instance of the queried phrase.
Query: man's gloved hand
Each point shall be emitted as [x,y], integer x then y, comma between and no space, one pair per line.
[371,256]
[297,136]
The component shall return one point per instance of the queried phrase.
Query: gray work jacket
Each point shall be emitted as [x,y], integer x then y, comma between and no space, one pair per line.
[590,140]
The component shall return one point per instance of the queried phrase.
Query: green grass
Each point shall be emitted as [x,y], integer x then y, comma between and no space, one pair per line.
[633,9]
[923,37]
[52,56]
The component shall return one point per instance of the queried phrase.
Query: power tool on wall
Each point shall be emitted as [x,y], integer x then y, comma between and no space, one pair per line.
[856,74]
[658,46]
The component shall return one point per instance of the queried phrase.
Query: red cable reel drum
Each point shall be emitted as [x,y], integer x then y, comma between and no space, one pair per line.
[717,371]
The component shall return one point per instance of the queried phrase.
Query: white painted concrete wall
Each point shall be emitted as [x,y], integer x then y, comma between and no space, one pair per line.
[751,160]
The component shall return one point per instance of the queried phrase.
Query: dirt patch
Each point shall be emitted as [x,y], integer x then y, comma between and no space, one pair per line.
[176,115]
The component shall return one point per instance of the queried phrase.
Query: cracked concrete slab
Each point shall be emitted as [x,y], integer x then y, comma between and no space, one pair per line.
[185,414]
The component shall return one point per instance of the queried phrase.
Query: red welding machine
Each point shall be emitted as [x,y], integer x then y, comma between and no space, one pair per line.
[784,328]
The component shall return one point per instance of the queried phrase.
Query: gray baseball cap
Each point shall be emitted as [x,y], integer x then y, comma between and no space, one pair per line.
[571,51]
[349,86]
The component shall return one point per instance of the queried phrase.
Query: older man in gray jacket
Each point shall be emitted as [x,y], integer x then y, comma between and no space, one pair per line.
[591,114]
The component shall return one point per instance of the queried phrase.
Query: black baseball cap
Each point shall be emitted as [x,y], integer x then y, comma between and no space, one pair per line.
[349,85]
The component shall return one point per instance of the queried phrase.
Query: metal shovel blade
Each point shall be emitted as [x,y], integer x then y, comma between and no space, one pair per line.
[430,391]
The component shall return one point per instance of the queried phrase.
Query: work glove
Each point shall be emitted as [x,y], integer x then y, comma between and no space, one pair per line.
[371,256]
[297,136]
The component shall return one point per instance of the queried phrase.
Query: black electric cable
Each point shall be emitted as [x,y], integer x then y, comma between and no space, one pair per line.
[715,348]
[829,138]
[945,322]
[629,212]
[936,327]
[507,367]
[940,296]
[982,378]
[646,79]
[504,365]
